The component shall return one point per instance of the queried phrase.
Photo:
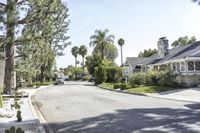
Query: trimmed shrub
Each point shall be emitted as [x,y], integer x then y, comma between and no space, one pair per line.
[19,117]
[114,73]
[124,86]
[86,78]
[14,130]
[137,79]
[117,85]
[153,78]
[100,75]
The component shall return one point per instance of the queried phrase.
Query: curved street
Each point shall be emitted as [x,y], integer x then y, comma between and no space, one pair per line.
[80,107]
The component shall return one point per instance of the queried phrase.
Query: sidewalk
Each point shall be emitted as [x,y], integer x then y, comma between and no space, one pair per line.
[30,122]
[190,94]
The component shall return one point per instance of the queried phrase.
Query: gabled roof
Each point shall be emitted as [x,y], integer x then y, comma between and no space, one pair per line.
[135,61]
[191,50]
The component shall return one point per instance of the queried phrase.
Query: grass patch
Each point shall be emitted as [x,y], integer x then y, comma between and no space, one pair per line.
[150,89]
[38,84]
[107,86]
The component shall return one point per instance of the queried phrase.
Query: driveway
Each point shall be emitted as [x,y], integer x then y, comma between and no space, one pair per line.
[80,107]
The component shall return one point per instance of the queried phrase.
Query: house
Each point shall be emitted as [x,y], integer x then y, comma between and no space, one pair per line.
[183,60]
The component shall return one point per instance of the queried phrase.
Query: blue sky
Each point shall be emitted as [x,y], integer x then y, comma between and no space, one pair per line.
[139,22]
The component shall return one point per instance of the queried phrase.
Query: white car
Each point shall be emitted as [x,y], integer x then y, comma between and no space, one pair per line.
[59,81]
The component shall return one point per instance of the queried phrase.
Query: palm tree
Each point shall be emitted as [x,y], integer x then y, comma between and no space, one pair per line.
[75,51]
[83,53]
[121,43]
[100,39]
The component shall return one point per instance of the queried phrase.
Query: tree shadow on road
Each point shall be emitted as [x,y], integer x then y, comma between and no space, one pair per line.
[137,121]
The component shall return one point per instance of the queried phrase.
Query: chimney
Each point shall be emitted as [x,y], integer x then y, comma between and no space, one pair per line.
[163,47]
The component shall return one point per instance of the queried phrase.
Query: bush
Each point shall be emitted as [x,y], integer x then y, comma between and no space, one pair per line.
[124,86]
[153,78]
[117,86]
[114,73]
[14,130]
[86,78]
[19,117]
[137,79]
[100,75]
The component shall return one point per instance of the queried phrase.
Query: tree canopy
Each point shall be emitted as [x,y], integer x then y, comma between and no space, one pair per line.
[183,41]
[37,28]
[147,52]
[100,40]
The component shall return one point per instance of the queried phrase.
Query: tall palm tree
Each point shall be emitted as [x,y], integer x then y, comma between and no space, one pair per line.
[121,43]
[100,39]
[75,51]
[83,53]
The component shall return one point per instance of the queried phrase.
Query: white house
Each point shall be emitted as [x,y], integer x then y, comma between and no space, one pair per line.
[184,60]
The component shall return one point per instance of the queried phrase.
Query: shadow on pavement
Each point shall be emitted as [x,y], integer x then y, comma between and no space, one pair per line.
[161,120]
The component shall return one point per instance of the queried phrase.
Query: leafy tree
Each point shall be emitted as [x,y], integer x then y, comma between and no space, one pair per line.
[27,22]
[100,39]
[183,41]
[83,53]
[147,53]
[121,43]
[110,52]
[92,62]
[75,51]
[198,1]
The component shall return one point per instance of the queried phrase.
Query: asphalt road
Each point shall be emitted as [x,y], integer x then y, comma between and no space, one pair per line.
[80,107]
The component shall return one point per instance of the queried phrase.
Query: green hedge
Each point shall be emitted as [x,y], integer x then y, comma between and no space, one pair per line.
[153,78]
[110,74]
[114,74]
[100,75]
[122,86]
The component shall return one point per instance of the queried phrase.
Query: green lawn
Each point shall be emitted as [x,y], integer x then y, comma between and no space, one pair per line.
[139,89]
[106,86]
[149,89]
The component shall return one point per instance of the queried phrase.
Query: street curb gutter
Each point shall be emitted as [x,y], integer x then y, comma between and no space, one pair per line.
[142,94]
[42,123]
[39,114]
[40,127]
[121,91]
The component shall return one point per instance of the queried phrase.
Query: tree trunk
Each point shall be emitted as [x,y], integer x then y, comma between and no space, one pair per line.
[9,68]
[102,52]
[83,67]
[121,57]
[42,69]
[75,67]
[9,46]
[75,61]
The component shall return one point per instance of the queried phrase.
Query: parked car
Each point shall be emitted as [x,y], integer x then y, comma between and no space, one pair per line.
[66,78]
[59,81]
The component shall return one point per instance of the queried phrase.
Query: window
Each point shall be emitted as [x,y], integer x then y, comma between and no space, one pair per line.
[197,65]
[174,67]
[182,66]
[191,66]
[178,67]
